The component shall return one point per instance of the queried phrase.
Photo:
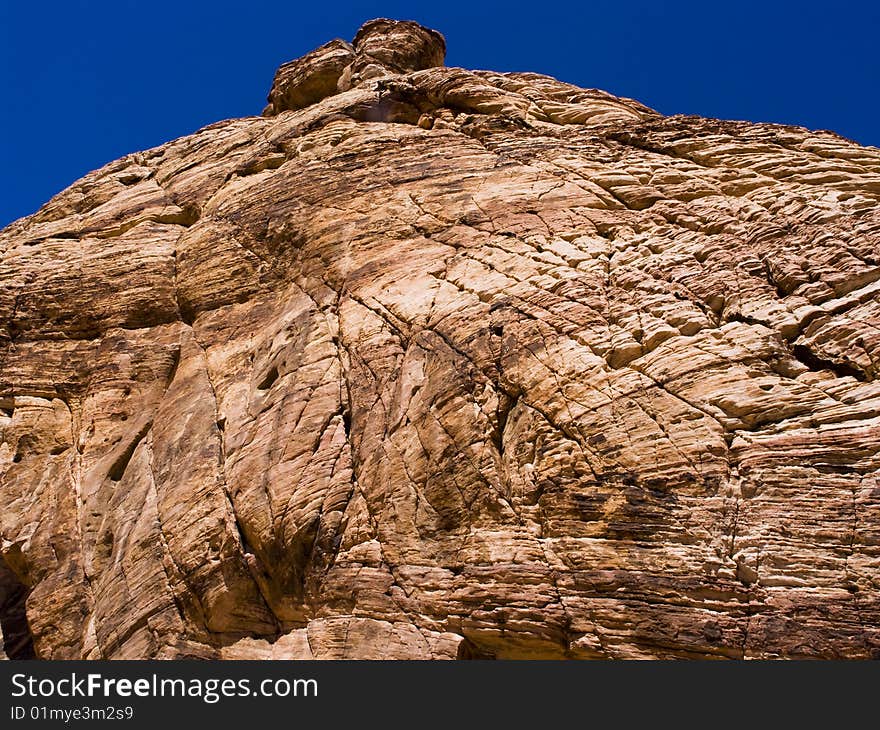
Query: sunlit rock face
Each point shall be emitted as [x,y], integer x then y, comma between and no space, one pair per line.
[437,363]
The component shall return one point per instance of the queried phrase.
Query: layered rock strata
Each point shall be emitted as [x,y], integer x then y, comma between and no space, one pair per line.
[435,363]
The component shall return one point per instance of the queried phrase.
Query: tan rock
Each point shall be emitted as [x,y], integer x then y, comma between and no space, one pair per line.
[397,47]
[437,363]
[310,78]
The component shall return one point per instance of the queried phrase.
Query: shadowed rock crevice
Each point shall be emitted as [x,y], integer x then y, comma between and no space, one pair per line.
[814,362]
[17,640]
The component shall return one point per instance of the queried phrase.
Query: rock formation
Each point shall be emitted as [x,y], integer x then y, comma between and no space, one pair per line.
[435,363]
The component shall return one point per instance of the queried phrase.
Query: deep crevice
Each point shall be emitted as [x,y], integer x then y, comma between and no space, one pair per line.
[468,650]
[505,405]
[841,369]
[117,470]
[269,379]
[172,371]
[18,642]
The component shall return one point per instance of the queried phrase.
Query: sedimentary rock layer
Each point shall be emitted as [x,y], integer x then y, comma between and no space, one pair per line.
[435,363]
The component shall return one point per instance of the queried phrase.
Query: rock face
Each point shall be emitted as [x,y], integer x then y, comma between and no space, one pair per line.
[436,363]
[380,48]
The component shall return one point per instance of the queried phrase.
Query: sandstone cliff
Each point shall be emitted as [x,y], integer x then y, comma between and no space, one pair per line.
[428,362]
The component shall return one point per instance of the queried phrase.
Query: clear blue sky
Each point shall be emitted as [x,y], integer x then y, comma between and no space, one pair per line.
[83,83]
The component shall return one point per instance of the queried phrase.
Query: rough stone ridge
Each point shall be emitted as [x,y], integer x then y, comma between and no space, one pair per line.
[437,363]
[309,79]
[381,47]
[397,47]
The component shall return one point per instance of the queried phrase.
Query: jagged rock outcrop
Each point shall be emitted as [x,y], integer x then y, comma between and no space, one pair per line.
[381,47]
[429,362]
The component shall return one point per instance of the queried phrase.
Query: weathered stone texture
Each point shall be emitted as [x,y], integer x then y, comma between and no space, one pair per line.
[430,362]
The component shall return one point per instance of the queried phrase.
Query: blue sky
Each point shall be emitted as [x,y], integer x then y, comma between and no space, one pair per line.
[83,83]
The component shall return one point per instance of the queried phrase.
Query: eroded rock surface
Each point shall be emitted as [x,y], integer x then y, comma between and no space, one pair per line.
[430,362]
